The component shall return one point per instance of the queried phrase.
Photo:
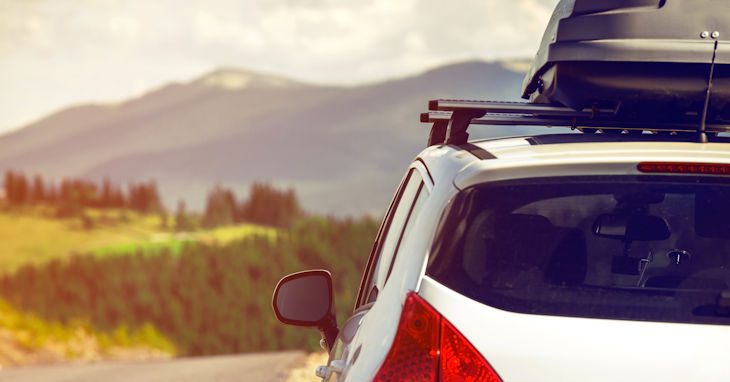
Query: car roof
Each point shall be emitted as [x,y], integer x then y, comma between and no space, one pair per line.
[567,151]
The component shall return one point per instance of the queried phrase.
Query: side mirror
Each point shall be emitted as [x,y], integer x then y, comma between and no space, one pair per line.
[306,299]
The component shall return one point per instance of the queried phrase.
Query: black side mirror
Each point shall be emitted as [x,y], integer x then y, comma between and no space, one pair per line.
[306,299]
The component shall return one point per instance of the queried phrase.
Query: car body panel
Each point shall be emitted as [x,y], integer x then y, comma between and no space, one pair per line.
[525,348]
[371,344]
[528,347]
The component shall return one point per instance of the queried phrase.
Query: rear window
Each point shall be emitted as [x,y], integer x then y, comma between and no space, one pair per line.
[633,248]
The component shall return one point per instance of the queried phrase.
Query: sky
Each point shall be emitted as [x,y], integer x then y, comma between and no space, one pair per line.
[60,53]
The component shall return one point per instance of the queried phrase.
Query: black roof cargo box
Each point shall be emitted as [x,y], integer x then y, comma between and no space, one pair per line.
[629,54]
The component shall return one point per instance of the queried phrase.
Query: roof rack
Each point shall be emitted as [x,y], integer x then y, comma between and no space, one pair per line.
[451,119]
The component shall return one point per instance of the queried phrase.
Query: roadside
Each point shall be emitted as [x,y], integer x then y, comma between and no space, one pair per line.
[258,367]
[305,373]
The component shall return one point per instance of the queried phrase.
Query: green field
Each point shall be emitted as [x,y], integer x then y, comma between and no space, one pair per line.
[32,235]
[174,242]
[23,336]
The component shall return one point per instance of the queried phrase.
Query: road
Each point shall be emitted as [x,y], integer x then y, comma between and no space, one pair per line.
[260,367]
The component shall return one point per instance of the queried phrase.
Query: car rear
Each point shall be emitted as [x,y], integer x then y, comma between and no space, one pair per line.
[576,261]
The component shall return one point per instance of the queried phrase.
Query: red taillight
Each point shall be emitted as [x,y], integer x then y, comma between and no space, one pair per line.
[460,361]
[685,168]
[429,348]
[414,355]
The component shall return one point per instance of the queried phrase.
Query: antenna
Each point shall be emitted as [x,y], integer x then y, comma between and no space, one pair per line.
[708,94]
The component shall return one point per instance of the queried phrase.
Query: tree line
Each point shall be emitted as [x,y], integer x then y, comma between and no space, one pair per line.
[71,195]
[265,205]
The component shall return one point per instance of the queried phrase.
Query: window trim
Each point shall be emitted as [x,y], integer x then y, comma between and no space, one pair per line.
[367,275]
[418,166]
[402,210]
[421,188]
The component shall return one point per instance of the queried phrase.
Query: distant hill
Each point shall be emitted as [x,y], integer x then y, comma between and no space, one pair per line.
[342,148]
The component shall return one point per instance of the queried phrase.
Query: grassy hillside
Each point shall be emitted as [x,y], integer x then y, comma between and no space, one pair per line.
[32,235]
[210,298]
[173,242]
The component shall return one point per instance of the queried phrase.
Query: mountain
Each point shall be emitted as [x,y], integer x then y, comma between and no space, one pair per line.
[342,148]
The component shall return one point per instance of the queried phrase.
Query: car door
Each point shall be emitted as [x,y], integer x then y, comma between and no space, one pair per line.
[405,207]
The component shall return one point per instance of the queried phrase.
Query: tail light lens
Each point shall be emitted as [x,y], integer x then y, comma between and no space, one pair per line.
[414,355]
[460,361]
[429,348]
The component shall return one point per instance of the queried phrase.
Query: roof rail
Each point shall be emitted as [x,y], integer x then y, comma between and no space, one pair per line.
[451,119]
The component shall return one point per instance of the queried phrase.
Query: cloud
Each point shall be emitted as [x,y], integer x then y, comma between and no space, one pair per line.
[349,41]
[111,49]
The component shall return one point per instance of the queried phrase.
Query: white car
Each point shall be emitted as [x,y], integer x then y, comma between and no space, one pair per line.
[601,256]
[565,257]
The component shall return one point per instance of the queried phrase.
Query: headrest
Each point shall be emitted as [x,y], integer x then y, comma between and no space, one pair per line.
[525,222]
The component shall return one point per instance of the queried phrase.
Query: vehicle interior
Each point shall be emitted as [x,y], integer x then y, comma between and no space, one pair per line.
[586,248]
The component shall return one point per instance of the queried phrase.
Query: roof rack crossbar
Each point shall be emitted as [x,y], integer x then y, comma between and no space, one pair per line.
[451,118]
[515,108]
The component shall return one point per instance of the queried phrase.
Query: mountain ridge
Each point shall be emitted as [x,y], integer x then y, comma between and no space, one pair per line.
[342,148]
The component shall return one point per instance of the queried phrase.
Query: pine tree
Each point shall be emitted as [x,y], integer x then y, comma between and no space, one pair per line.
[19,189]
[106,194]
[269,206]
[39,190]
[9,186]
[182,219]
[220,208]
[144,197]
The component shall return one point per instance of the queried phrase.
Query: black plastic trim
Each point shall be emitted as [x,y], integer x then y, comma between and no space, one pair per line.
[477,151]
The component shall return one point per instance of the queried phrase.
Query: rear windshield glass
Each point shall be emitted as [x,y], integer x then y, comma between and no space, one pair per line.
[633,248]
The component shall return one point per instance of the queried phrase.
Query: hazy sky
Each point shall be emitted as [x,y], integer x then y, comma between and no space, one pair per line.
[57,53]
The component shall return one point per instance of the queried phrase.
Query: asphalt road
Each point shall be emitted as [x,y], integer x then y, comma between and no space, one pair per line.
[260,367]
